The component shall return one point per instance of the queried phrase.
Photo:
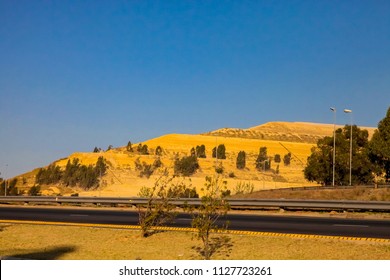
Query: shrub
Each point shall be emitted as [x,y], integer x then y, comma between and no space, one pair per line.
[244,188]
[186,166]
[219,169]
[34,191]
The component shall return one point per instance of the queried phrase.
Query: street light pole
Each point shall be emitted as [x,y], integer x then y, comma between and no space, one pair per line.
[348,111]
[334,142]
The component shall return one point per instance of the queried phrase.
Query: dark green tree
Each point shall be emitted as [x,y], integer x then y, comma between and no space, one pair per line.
[129,147]
[319,166]
[263,162]
[241,160]
[200,151]
[159,151]
[287,159]
[50,175]
[192,152]
[379,147]
[277,158]
[143,149]
[219,152]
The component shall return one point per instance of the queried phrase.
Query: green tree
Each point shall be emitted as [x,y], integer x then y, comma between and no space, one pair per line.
[129,147]
[319,166]
[219,152]
[200,151]
[241,160]
[277,158]
[159,208]
[50,175]
[287,159]
[213,207]
[70,177]
[159,151]
[192,152]
[143,149]
[9,186]
[379,147]
[263,162]
[214,152]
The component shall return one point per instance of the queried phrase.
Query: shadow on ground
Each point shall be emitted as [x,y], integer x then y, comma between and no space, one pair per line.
[47,254]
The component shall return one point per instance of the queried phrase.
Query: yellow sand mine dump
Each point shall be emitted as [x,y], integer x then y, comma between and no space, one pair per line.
[122,179]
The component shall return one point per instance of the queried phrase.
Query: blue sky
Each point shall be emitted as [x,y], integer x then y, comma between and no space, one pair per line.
[80,74]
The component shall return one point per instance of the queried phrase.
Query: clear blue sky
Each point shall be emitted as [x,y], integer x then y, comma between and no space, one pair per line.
[80,74]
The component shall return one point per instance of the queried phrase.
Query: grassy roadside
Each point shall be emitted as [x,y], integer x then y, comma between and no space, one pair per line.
[85,243]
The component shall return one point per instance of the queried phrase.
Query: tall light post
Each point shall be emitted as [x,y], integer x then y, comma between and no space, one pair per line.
[348,111]
[334,142]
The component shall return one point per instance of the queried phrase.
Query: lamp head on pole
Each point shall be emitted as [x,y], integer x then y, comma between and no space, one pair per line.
[347,111]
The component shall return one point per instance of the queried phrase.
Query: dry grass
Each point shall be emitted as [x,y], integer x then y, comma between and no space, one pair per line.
[84,243]
[358,193]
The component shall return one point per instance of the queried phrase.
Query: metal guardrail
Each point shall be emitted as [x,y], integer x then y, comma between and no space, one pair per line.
[234,203]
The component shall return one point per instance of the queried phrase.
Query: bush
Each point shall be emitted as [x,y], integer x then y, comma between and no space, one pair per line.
[219,169]
[186,166]
[143,149]
[34,191]
[244,188]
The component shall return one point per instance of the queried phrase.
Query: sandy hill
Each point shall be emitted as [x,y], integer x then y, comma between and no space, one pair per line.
[283,131]
[122,178]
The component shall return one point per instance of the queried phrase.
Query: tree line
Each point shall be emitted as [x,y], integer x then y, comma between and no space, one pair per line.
[74,174]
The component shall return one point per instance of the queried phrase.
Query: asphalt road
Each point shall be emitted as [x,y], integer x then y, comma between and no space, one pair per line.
[261,223]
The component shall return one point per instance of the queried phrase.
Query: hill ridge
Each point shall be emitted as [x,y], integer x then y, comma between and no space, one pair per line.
[301,132]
